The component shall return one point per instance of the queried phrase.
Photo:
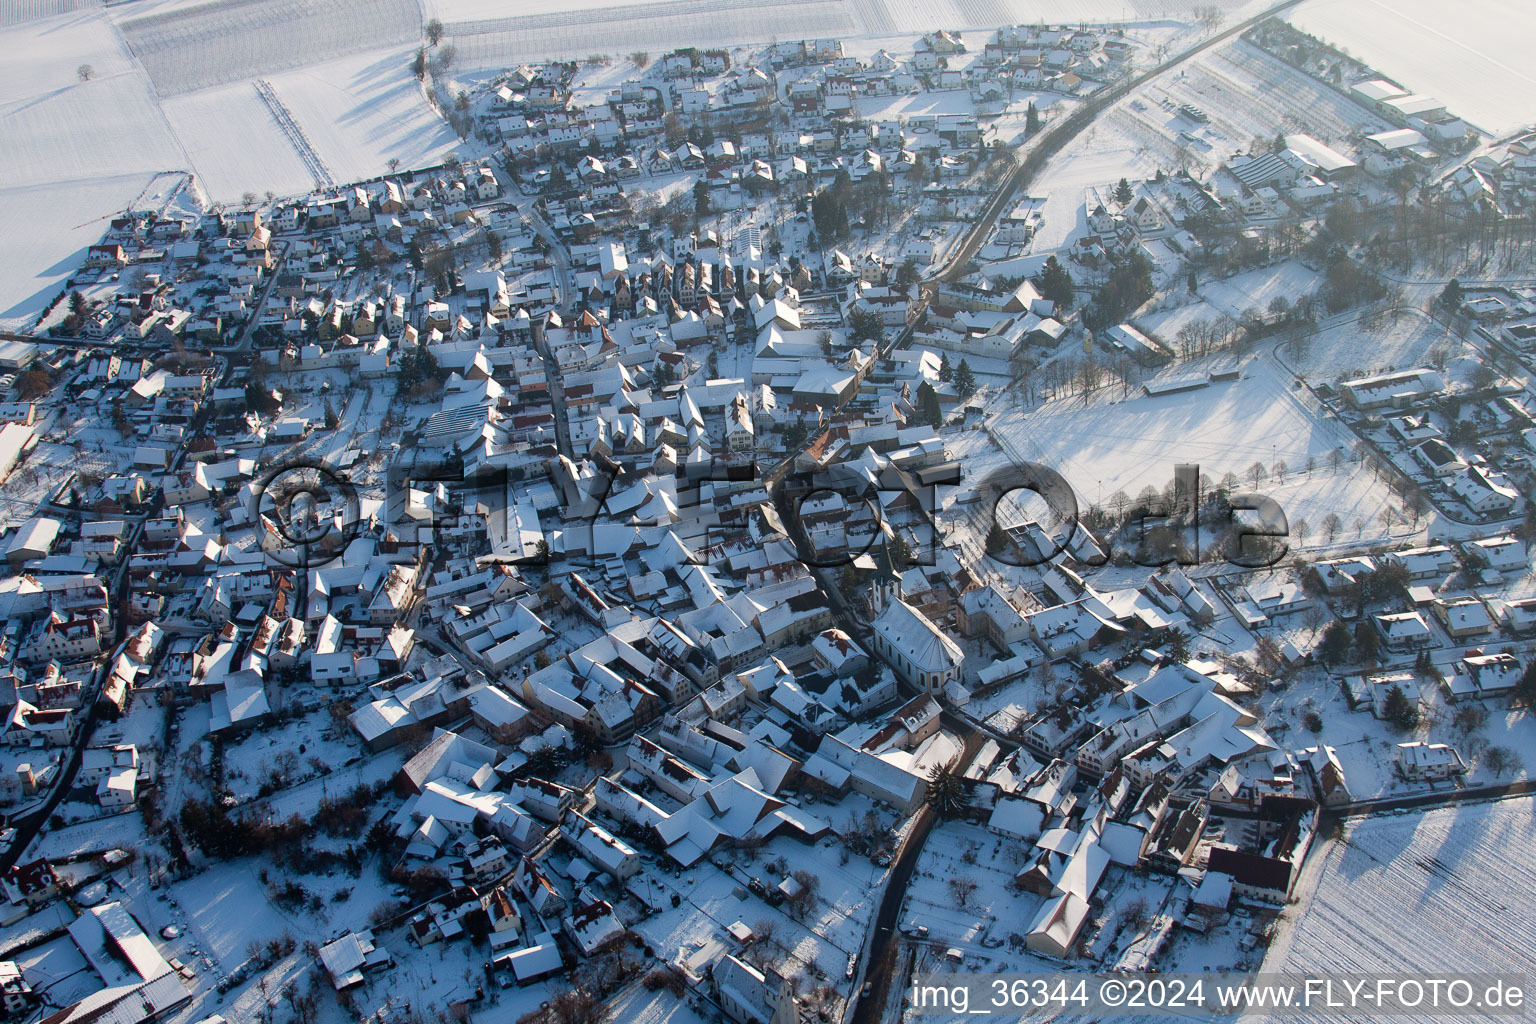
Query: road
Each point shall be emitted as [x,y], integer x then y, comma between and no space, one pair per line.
[1051,141]
[30,825]
[882,947]
[565,298]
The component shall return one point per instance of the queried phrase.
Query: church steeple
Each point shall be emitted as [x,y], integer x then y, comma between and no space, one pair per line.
[885,587]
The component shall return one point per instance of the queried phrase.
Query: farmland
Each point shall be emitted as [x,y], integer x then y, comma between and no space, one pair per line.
[185,46]
[1483,76]
[1436,892]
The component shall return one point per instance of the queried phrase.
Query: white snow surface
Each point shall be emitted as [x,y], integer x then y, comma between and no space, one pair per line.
[1477,60]
[1452,889]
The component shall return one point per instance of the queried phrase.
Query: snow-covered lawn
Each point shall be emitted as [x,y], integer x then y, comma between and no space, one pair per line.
[1116,146]
[1348,350]
[1477,62]
[992,910]
[228,909]
[1452,889]
[943,101]
[1367,745]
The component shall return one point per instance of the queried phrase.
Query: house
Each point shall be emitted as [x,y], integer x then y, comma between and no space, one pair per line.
[1327,775]
[345,959]
[750,996]
[1424,563]
[1480,675]
[1501,554]
[16,995]
[1055,929]
[1485,491]
[1428,762]
[1464,617]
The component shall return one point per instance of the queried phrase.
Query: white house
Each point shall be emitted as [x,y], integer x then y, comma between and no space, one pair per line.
[1429,762]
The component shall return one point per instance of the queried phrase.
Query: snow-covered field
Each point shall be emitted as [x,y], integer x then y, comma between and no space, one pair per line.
[59,128]
[581,30]
[356,113]
[1477,60]
[1249,96]
[75,151]
[186,46]
[209,121]
[1117,146]
[1453,889]
[1103,446]
[80,150]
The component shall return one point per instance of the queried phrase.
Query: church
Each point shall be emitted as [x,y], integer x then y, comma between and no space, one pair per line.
[920,652]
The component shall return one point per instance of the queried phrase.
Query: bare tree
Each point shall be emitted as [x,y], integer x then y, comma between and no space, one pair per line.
[1331,526]
[804,899]
[962,888]
[85,72]
[1501,760]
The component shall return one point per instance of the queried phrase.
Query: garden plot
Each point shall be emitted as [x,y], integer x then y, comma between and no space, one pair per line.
[1477,61]
[1451,889]
[43,473]
[186,46]
[974,860]
[714,899]
[121,831]
[1249,97]
[275,758]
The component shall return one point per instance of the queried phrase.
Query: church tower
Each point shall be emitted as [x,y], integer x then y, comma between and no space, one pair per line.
[885,587]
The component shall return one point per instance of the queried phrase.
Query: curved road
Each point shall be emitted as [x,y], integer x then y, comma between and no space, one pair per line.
[882,948]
